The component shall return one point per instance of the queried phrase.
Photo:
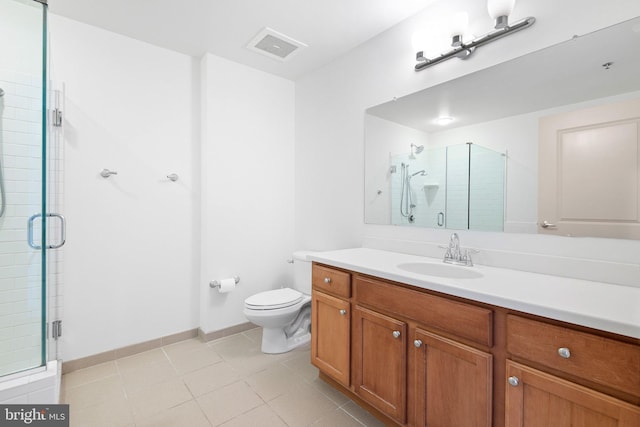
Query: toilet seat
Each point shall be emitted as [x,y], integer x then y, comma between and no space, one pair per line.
[274,299]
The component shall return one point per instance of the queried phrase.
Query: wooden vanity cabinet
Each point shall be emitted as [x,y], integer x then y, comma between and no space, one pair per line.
[380,361]
[452,382]
[563,377]
[581,355]
[431,378]
[535,398]
[331,323]
[414,357]
[331,336]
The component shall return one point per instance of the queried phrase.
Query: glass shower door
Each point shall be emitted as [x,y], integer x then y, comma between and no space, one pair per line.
[23,123]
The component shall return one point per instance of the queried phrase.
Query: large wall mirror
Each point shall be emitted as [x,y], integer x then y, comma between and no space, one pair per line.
[479,170]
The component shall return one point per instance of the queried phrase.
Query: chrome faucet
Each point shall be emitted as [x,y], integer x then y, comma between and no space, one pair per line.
[455,254]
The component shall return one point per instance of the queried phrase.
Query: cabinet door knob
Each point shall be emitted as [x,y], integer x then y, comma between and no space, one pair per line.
[396,334]
[327,280]
[514,381]
[564,352]
[343,312]
[417,343]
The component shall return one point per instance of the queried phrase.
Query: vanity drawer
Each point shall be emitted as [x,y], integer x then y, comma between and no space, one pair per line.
[601,360]
[462,320]
[331,280]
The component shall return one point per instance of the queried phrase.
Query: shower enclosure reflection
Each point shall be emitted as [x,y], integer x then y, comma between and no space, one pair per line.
[456,187]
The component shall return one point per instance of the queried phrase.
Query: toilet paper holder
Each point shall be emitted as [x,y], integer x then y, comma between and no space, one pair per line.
[216,283]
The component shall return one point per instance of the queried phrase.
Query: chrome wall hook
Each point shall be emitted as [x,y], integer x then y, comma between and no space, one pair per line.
[106,173]
[172,177]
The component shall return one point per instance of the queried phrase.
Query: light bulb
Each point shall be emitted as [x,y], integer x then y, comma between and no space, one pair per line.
[420,40]
[431,41]
[499,8]
[459,23]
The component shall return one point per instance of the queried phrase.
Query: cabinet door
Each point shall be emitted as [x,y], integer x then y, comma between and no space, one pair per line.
[453,385]
[330,336]
[534,398]
[379,361]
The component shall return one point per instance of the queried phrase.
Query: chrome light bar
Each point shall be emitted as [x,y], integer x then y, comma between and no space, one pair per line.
[464,50]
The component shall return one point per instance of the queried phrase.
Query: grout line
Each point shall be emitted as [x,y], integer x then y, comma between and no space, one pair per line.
[169,360]
[351,415]
[124,389]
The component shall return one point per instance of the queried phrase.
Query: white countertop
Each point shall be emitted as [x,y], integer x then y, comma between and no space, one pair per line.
[598,305]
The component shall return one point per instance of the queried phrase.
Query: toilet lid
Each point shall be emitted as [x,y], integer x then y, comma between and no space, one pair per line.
[277,298]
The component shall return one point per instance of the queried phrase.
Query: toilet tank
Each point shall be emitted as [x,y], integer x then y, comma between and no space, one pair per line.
[302,271]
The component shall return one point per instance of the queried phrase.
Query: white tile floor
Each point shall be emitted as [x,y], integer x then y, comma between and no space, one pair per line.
[225,382]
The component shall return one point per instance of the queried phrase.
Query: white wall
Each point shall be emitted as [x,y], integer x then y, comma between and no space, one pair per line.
[141,250]
[330,106]
[247,192]
[132,254]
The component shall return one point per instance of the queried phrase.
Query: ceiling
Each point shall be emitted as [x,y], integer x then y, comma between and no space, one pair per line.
[330,28]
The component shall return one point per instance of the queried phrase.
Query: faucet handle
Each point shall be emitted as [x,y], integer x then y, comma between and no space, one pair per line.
[448,253]
[466,257]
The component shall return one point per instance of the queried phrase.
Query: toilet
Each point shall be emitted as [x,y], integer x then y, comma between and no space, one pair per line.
[284,314]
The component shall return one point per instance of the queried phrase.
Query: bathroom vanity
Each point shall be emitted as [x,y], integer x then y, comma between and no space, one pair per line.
[420,343]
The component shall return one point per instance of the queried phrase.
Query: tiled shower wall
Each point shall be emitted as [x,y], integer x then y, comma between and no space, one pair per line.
[20,156]
[458,187]
[428,191]
[415,164]
[475,188]
[487,189]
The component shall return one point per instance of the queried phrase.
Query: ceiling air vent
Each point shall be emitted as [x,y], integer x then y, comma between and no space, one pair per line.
[275,45]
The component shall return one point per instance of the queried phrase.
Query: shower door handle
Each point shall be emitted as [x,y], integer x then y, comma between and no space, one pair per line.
[63,230]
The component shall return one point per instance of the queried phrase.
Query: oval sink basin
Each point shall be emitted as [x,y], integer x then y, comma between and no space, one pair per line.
[440,270]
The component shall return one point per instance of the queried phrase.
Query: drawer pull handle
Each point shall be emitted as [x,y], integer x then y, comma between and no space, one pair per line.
[343,312]
[417,343]
[327,280]
[564,352]
[514,381]
[396,334]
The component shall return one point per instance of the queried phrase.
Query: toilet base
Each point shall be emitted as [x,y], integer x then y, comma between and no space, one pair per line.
[275,341]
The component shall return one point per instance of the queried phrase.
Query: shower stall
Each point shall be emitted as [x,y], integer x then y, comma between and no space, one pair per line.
[30,188]
[459,187]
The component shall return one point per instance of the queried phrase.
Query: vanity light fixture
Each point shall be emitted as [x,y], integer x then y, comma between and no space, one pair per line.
[499,10]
